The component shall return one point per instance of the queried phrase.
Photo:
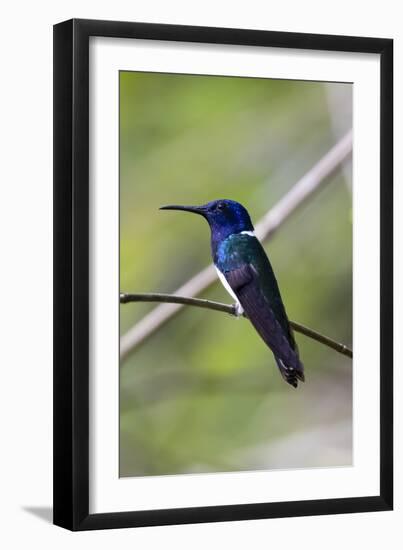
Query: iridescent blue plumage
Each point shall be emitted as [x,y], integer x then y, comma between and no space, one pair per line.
[245,268]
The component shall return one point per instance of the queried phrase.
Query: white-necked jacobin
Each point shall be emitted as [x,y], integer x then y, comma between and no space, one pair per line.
[246,273]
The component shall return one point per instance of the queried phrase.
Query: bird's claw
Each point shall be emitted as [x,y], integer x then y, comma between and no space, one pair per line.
[238,309]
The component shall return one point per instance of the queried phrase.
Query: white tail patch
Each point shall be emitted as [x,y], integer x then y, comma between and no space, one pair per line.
[250,233]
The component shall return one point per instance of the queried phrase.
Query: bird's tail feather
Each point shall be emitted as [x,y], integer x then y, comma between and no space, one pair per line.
[291,374]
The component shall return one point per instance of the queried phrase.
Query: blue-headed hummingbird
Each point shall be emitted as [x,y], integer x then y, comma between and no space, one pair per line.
[246,273]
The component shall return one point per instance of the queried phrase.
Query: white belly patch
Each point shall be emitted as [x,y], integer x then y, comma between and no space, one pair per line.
[229,290]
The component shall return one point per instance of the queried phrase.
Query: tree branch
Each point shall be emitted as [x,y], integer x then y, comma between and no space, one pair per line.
[316,177]
[231,309]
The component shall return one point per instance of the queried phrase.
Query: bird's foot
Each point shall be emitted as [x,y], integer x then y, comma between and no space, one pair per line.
[239,311]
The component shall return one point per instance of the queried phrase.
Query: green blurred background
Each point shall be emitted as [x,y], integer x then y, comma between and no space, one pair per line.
[203,394]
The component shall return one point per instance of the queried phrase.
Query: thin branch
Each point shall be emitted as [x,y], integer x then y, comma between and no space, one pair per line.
[265,228]
[231,309]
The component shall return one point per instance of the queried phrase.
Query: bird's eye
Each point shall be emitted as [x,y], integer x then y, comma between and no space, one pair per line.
[221,206]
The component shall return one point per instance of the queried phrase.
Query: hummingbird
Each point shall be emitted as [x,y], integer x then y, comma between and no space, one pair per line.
[246,273]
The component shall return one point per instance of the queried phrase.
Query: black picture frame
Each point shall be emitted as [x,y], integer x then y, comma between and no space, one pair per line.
[71,274]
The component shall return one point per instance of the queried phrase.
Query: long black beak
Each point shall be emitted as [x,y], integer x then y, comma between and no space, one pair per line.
[195,209]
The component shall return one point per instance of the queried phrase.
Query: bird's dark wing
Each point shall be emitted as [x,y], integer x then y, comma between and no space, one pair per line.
[244,281]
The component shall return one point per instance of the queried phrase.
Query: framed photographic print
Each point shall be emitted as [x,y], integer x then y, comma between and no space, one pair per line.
[223,317]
